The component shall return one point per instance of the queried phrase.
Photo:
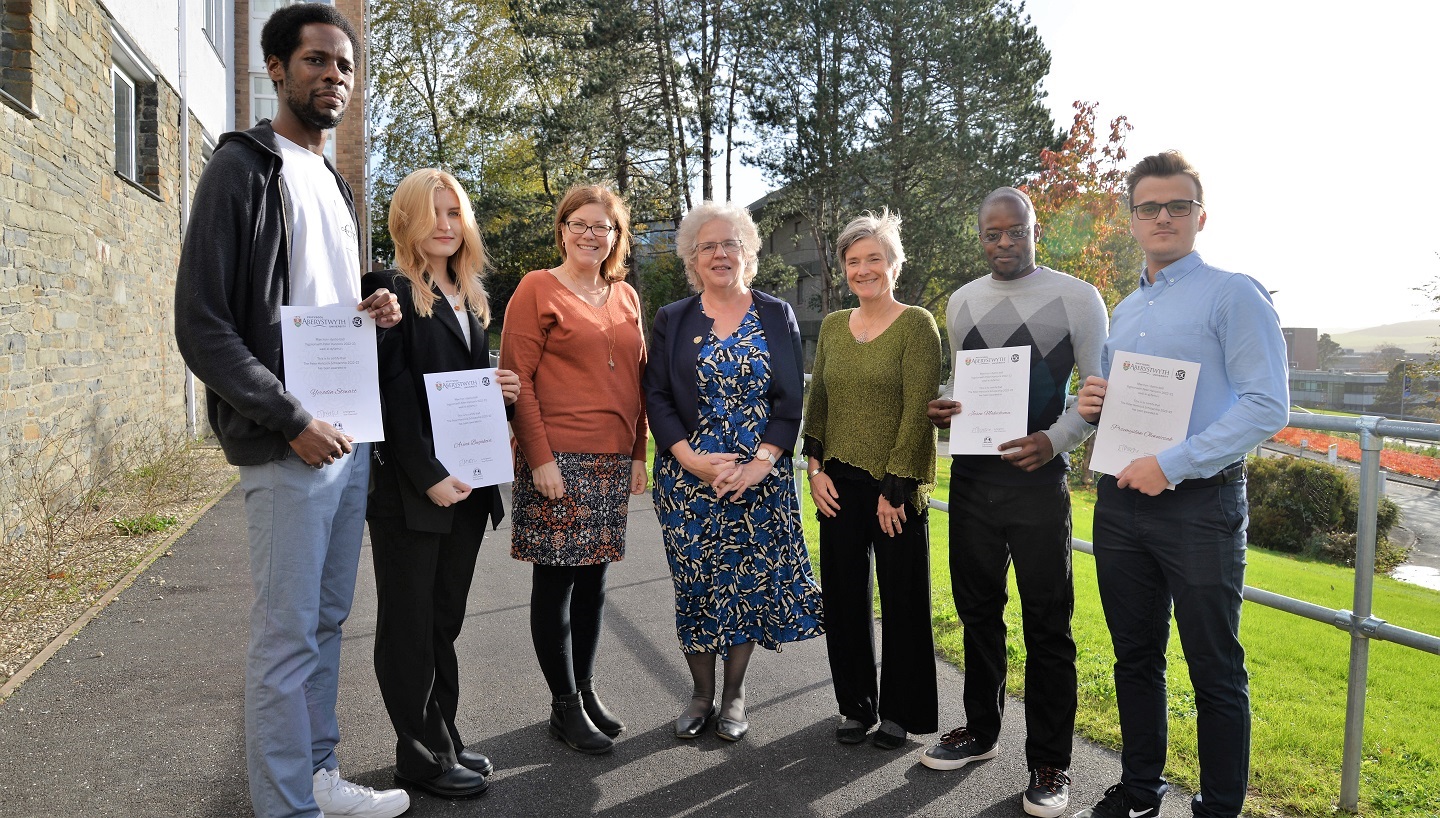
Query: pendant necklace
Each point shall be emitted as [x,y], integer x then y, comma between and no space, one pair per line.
[864,336]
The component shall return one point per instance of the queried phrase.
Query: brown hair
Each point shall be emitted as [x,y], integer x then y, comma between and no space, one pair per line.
[613,268]
[1169,163]
[412,221]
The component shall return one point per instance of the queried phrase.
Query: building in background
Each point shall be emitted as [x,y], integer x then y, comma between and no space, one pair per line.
[109,110]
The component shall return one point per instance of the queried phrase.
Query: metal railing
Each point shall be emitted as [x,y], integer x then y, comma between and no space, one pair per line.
[1362,625]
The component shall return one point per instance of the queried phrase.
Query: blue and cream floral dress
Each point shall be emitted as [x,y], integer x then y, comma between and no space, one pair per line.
[741,570]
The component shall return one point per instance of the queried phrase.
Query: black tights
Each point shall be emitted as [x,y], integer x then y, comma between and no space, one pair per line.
[566,604]
[702,675]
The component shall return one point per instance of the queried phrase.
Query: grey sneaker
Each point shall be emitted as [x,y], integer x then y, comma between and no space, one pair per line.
[956,749]
[1049,792]
[1118,803]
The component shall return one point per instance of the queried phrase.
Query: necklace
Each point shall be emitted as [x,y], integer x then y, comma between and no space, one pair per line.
[457,301]
[864,336]
[609,333]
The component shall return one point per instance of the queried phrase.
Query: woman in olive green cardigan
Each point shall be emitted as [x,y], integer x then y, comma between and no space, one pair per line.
[871,453]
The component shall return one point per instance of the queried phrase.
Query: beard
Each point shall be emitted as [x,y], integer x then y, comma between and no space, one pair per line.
[308,112]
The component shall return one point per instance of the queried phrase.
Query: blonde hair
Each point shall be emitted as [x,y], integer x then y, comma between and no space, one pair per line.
[412,222]
[687,241]
[613,267]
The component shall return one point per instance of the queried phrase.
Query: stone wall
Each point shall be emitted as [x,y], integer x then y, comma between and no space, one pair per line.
[87,258]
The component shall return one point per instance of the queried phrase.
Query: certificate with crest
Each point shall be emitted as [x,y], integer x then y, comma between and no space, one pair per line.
[467,421]
[331,367]
[1147,409]
[993,389]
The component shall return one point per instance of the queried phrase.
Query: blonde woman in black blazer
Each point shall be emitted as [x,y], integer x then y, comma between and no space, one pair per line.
[426,524]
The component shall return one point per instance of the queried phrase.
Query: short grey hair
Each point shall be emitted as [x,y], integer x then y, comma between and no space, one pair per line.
[687,241]
[884,229]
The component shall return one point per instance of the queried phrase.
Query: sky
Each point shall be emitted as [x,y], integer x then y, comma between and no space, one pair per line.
[1314,127]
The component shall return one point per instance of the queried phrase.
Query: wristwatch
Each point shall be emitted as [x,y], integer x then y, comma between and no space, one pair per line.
[765,454]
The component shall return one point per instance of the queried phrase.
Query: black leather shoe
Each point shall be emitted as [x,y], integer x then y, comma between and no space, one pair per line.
[851,735]
[731,729]
[888,741]
[693,726]
[456,782]
[475,760]
[600,715]
[569,724]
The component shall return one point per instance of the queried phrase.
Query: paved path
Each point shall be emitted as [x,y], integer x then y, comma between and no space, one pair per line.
[140,715]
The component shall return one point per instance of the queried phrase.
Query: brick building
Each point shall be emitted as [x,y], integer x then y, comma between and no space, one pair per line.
[102,102]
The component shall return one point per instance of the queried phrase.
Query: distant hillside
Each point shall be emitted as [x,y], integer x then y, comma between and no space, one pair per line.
[1411,336]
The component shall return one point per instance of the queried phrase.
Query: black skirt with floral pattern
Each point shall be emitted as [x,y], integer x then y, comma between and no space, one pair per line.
[584,527]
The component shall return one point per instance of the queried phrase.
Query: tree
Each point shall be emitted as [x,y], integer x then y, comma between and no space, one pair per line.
[1079,202]
[921,106]
[1327,352]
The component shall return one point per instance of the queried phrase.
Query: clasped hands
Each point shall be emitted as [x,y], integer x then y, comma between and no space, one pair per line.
[724,471]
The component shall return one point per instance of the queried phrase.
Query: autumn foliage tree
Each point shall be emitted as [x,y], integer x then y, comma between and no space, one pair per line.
[1079,201]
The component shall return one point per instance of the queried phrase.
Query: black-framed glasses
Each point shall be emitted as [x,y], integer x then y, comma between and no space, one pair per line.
[1015,234]
[708,248]
[600,231]
[1178,209]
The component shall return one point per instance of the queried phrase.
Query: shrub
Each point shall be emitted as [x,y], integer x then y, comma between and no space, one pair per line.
[1307,507]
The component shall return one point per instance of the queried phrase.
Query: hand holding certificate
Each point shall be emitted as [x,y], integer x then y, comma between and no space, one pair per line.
[993,389]
[467,418]
[330,367]
[1147,409]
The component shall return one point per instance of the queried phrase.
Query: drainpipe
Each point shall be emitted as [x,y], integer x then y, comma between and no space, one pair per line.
[183,26]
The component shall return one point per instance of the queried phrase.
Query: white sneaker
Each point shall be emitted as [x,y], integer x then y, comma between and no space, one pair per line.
[335,796]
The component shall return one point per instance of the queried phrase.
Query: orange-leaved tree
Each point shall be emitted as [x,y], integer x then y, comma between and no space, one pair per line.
[1079,202]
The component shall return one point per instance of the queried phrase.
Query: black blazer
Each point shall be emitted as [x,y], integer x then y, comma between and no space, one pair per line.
[405,464]
[672,394]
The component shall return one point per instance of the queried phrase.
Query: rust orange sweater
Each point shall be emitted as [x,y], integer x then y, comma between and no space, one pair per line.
[571,400]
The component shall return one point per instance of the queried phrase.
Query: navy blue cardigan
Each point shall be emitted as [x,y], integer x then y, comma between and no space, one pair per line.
[671,391]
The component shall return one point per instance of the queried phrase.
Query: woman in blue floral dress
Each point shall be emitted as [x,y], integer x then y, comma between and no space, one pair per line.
[724,388]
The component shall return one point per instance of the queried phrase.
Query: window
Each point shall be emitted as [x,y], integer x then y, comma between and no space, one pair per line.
[125,123]
[16,52]
[135,94]
[215,24]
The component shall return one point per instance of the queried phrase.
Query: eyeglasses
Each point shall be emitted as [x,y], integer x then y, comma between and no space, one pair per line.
[600,231]
[708,248]
[1015,234]
[1177,209]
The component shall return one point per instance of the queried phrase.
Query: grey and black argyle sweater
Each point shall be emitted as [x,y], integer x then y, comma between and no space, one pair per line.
[1063,320]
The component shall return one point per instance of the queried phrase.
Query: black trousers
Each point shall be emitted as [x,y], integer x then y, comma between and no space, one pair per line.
[906,691]
[421,583]
[1185,546]
[992,526]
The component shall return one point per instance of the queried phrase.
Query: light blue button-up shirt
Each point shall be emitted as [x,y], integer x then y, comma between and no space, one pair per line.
[1227,323]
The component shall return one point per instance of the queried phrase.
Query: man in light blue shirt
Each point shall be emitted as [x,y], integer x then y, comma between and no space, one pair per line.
[1186,546]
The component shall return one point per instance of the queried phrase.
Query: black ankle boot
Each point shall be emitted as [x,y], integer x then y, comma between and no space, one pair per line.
[599,714]
[569,723]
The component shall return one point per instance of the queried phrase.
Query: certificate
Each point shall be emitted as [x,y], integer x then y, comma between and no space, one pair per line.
[993,388]
[330,367]
[467,419]
[1146,410]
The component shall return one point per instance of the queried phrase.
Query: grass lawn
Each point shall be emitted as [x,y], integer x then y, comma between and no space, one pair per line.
[1297,668]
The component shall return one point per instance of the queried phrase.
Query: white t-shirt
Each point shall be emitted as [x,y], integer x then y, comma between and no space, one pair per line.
[324,245]
[462,315]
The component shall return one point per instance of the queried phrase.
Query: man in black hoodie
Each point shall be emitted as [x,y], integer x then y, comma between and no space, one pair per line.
[274,224]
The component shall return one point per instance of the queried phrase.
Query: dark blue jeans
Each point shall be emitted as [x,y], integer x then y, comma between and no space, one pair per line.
[1185,546]
[991,526]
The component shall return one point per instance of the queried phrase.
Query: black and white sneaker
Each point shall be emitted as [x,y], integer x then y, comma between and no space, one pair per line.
[1118,803]
[1049,792]
[956,749]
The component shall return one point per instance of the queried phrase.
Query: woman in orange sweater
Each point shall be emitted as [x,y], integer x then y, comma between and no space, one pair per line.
[572,334]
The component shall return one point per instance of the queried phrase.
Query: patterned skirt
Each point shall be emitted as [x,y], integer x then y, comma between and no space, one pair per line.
[586,526]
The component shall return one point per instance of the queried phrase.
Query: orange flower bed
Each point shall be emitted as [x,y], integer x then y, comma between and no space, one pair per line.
[1403,462]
